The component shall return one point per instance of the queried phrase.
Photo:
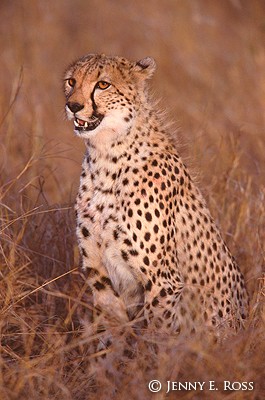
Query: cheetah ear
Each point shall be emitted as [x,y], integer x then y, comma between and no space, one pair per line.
[146,67]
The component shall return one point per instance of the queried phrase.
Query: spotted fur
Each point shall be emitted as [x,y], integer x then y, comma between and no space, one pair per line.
[146,237]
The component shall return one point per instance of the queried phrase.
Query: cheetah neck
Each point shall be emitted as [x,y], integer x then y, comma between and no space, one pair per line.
[135,145]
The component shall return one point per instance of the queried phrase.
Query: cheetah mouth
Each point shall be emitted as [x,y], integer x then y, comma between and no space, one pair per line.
[84,126]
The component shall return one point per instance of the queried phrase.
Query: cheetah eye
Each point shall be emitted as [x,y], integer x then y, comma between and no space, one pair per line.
[71,82]
[102,85]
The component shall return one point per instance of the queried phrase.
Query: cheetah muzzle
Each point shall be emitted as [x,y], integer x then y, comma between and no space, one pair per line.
[85,126]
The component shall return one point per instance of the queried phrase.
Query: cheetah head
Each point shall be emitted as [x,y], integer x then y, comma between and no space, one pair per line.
[104,93]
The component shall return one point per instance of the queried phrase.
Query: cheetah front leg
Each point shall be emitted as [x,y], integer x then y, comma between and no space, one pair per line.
[106,299]
[109,309]
[90,246]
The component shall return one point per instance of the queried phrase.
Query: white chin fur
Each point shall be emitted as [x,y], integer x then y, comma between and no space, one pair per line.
[86,134]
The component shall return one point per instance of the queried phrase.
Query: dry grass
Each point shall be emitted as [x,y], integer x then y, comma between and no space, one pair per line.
[211,60]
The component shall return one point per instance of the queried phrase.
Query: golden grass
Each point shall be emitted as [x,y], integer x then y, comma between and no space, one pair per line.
[211,63]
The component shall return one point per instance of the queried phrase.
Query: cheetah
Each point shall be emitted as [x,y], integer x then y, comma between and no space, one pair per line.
[146,237]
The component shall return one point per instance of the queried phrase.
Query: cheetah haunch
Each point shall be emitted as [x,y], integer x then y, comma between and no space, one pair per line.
[146,237]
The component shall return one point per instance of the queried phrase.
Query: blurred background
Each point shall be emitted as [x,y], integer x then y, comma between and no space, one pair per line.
[210,76]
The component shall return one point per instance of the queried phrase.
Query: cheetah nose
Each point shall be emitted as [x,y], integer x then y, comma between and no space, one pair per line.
[74,107]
